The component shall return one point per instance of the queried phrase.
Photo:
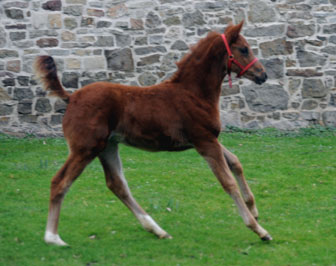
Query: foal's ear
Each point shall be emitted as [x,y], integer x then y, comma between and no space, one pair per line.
[235,30]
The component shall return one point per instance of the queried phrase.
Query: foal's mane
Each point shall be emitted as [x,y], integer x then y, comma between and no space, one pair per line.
[200,51]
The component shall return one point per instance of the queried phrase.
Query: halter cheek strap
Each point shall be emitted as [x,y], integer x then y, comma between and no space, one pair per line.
[232,60]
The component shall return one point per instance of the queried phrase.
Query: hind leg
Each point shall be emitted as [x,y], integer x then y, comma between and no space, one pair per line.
[237,169]
[117,183]
[60,183]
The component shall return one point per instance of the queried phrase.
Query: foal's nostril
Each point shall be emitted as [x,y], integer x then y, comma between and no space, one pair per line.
[265,76]
[261,79]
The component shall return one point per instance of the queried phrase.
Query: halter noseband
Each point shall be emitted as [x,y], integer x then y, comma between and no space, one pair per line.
[233,60]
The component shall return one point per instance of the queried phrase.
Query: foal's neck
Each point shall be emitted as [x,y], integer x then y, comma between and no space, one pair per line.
[203,71]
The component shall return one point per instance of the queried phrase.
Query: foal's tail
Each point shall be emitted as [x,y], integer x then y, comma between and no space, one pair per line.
[46,71]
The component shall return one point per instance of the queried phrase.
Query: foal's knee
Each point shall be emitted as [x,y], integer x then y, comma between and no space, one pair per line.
[250,201]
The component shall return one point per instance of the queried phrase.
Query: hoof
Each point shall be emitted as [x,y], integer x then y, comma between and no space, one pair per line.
[267,238]
[167,236]
[53,239]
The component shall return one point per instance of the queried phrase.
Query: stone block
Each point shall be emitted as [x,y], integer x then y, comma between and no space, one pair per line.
[87,21]
[149,60]
[155,39]
[261,12]
[28,118]
[60,106]
[70,80]
[149,50]
[314,88]
[104,24]
[212,6]
[8,53]
[56,120]
[138,41]
[309,105]
[4,95]
[14,13]
[94,63]
[54,21]
[104,41]
[309,59]
[14,66]
[123,40]
[53,5]
[332,101]
[265,98]
[172,20]
[70,23]
[147,79]
[274,68]
[304,72]
[16,27]
[152,20]
[8,82]
[68,36]
[329,118]
[179,45]
[226,90]
[329,50]
[25,107]
[6,109]
[73,10]
[265,31]
[136,24]
[193,19]
[47,42]
[76,2]
[276,47]
[43,105]
[3,38]
[40,92]
[119,59]
[39,20]
[297,30]
[23,93]
[4,121]
[17,36]
[95,12]
[118,11]
[329,29]
[15,4]
[72,63]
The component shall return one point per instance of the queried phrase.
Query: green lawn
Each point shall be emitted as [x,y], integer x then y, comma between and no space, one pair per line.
[293,177]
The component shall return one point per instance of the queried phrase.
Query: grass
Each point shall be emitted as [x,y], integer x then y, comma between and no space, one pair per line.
[291,174]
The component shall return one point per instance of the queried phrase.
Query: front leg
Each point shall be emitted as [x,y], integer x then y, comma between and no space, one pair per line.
[213,154]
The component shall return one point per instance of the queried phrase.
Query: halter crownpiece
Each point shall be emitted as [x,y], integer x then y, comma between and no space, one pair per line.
[233,60]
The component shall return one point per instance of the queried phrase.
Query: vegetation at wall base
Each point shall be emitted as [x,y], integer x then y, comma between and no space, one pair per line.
[292,175]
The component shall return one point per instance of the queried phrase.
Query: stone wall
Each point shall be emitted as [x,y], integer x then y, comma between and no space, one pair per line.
[137,42]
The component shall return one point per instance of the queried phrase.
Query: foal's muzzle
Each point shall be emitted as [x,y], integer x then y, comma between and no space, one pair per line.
[261,79]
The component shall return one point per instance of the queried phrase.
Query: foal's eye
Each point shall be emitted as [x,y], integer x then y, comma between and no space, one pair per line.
[244,50]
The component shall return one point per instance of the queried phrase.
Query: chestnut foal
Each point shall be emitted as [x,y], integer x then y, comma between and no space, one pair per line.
[178,114]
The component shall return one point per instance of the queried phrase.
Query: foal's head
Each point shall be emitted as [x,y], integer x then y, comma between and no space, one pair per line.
[242,55]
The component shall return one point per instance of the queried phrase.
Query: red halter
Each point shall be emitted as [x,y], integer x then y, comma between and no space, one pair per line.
[233,60]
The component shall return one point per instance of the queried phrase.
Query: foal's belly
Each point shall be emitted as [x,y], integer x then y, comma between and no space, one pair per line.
[160,143]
